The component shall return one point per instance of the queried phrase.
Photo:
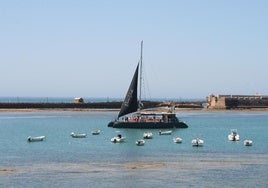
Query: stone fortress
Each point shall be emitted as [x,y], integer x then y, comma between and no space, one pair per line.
[236,101]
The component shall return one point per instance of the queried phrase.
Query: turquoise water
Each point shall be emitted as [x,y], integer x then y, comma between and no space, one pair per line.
[62,161]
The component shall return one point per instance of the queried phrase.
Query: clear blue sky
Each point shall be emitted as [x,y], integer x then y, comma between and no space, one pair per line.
[65,48]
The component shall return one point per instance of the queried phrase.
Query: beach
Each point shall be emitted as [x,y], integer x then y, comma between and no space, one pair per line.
[185,171]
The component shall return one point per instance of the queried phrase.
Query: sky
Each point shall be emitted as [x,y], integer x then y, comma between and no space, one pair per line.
[82,48]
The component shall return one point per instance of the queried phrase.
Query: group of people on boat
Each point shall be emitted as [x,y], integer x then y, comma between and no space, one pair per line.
[150,118]
[142,119]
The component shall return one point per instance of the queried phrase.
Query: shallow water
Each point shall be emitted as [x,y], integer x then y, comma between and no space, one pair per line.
[62,161]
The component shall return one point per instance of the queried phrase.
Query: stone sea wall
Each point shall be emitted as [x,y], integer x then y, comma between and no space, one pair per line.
[94,105]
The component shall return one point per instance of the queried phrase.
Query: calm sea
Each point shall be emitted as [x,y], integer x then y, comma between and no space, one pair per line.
[62,161]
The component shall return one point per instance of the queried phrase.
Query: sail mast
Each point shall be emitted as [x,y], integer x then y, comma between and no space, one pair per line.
[140,104]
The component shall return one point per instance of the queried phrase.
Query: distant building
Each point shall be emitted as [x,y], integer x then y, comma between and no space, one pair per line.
[78,100]
[236,101]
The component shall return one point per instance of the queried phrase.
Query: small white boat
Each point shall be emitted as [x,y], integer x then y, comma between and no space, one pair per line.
[34,139]
[95,132]
[140,142]
[233,136]
[118,139]
[80,135]
[248,142]
[197,142]
[147,135]
[165,132]
[177,140]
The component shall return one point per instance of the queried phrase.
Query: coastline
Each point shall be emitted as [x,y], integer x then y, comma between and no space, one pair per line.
[117,109]
[58,109]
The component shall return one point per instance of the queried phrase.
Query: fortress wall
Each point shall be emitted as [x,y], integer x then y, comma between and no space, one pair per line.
[237,101]
[216,102]
[246,102]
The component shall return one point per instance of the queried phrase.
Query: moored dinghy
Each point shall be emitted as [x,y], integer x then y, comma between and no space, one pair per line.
[197,142]
[233,136]
[95,132]
[177,140]
[165,132]
[248,142]
[80,135]
[35,139]
[140,142]
[147,135]
[118,139]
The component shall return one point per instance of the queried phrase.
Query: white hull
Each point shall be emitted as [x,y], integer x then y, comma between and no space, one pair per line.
[82,135]
[148,135]
[165,132]
[95,132]
[197,142]
[177,140]
[140,142]
[233,136]
[248,142]
[35,139]
[117,139]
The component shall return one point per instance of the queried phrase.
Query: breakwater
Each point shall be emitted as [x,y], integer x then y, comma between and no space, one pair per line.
[93,105]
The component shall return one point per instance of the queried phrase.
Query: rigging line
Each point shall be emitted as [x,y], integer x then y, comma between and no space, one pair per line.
[145,84]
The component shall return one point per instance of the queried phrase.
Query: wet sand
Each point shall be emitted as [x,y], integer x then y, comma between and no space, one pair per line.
[184,163]
[7,171]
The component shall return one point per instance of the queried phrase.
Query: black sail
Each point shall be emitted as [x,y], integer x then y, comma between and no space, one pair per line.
[130,103]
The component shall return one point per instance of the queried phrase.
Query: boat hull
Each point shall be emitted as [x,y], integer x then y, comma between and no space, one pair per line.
[35,139]
[197,142]
[148,135]
[140,142]
[147,125]
[177,140]
[82,135]
[233,137]
[96,132]
[248,142]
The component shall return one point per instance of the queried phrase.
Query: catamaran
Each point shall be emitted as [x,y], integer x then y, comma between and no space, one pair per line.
[132,116]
